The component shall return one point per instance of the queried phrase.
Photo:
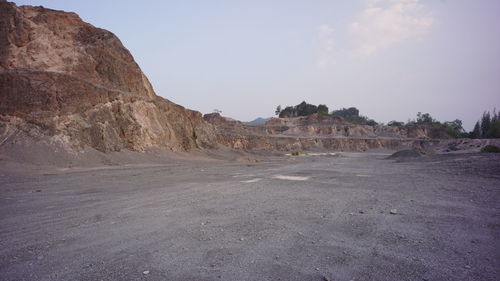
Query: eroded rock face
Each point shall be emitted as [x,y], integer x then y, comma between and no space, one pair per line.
[64,78]
[72,85]
[317,132]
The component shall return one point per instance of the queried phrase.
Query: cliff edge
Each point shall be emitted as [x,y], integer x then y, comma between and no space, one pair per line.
[65,81]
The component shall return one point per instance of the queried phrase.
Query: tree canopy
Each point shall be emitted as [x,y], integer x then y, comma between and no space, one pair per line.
[487,127]
[302,109]
[350,114]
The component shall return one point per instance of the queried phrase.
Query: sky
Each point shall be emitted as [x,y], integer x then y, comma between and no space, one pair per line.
[389,58]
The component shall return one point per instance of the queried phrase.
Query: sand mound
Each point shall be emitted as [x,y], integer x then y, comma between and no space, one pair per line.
[409,153]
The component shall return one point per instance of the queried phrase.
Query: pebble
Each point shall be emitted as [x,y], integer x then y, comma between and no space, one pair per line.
[145,272]
[393,211]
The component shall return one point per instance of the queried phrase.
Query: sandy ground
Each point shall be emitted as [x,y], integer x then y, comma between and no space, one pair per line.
[284,218]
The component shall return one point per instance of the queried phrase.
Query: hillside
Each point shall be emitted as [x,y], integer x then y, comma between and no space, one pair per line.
[66,83]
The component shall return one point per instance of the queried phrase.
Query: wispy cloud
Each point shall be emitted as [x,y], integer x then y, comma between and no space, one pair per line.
[325,41]
[383,23]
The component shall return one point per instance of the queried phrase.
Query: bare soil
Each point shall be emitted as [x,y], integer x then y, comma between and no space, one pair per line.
[358,216]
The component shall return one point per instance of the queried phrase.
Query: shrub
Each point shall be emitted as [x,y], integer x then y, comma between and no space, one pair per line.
[491,149]
[395,123]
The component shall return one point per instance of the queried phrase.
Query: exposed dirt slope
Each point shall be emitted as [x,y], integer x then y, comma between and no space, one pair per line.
[64,80]
[316,132]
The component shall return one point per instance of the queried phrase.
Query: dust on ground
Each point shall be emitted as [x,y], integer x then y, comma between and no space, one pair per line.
[356,217]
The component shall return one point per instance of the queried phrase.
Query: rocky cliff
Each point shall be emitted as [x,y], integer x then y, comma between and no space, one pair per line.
[63,80]
[318,132]
[72,86]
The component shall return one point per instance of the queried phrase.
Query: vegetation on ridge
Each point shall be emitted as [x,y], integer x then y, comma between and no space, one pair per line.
[350,114]
[487,127]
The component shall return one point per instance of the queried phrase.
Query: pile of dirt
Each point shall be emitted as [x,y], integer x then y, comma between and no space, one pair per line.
[409,153]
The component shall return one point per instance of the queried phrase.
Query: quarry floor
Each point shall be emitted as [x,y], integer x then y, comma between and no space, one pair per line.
[283,218]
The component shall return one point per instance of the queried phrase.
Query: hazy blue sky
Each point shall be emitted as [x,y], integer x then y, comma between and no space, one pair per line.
[389,58]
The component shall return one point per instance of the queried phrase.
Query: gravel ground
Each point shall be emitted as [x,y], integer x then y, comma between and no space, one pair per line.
[354,217]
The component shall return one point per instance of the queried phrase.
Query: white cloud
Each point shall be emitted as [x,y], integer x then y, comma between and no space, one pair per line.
[325,41]
[385,22]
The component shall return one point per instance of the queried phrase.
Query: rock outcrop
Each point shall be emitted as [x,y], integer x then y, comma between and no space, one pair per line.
[319,132]
[73,86]
[66,80]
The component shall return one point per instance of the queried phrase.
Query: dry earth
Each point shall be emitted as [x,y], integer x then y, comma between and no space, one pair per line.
[283,218]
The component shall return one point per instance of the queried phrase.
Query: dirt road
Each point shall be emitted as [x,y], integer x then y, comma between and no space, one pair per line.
[356,217]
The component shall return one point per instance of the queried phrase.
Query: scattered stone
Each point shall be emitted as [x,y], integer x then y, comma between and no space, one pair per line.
[145,272]
[241,239]
[361,211]
[317,268]
[393,211]
[468,266]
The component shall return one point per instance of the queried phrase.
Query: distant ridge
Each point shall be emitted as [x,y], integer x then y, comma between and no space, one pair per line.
[257,121]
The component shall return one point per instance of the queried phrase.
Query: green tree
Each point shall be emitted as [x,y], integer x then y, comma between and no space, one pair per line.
[454,128]
[485,124]
[347,113]
[323,109]
[425,119]
[287,112]
[476,132]
[494,130]
[278,110]
[351,114]
[395,123]
[306,109]
[302,109]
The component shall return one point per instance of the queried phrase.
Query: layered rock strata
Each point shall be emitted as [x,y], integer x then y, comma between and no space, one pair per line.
[66,79]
